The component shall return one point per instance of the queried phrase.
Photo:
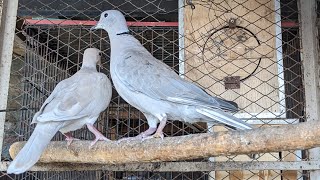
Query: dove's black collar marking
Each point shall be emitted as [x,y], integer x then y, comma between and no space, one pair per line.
[127,32]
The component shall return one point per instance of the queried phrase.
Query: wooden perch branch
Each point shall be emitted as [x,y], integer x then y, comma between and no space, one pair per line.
[273,139]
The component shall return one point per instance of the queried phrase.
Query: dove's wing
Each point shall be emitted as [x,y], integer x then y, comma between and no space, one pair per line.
[141,72]
[72,98]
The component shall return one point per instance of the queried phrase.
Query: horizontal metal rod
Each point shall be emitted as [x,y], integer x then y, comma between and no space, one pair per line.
[91,23]
[177,166]
[17,109]
[274,121]
[61,22]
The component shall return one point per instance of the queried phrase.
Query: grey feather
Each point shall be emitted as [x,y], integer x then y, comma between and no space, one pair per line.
[141,72]
[153,87]
[74,102]
[31,151]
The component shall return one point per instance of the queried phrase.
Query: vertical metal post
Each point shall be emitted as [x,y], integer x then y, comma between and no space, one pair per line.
[1,5]
[181,39]
[212,174]
[311,69]
[7,31]
[279,55]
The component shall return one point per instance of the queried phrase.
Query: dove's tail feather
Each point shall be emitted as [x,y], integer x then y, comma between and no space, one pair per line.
[34,147]
[224,118]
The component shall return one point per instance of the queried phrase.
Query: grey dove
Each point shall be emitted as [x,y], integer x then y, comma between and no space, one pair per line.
[154,88]
[75,102]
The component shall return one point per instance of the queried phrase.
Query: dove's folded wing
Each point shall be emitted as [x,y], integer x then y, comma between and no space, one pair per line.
[70,100]
[141,72]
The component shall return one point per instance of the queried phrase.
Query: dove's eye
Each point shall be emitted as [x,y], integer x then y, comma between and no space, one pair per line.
[106,15]
[100,54]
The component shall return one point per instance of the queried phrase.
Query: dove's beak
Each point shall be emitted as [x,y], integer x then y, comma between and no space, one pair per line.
[99,62]
[97,26]
[93,28]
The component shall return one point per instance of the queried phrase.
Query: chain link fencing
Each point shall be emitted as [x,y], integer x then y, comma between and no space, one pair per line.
[247,51]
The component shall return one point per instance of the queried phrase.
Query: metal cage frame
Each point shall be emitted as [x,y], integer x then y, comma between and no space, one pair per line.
[312,89]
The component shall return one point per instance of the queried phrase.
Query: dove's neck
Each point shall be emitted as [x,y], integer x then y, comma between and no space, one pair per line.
[114,37]
[123,41]
[89,65]
[117,29]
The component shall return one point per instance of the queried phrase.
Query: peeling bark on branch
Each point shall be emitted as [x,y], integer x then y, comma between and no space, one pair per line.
[260,140]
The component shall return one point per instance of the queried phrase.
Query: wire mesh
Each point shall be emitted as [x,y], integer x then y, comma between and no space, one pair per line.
[255,40]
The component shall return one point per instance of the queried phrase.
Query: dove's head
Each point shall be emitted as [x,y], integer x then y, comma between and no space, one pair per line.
[113,22]
[91,58]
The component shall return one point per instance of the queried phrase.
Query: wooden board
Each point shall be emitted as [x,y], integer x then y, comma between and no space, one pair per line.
[290,156]
[255,174]
[213,51]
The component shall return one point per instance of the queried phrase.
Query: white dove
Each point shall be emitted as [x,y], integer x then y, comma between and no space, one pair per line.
[154,88]
[75,102]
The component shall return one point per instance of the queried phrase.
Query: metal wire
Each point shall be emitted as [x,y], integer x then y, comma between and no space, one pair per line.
[53,52]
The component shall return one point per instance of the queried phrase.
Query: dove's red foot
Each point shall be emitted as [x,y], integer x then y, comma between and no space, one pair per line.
[159,132]
[141,136]
[156,135]
[99,136]
[69,138]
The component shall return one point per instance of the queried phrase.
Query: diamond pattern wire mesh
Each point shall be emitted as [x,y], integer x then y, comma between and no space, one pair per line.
[53,48]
